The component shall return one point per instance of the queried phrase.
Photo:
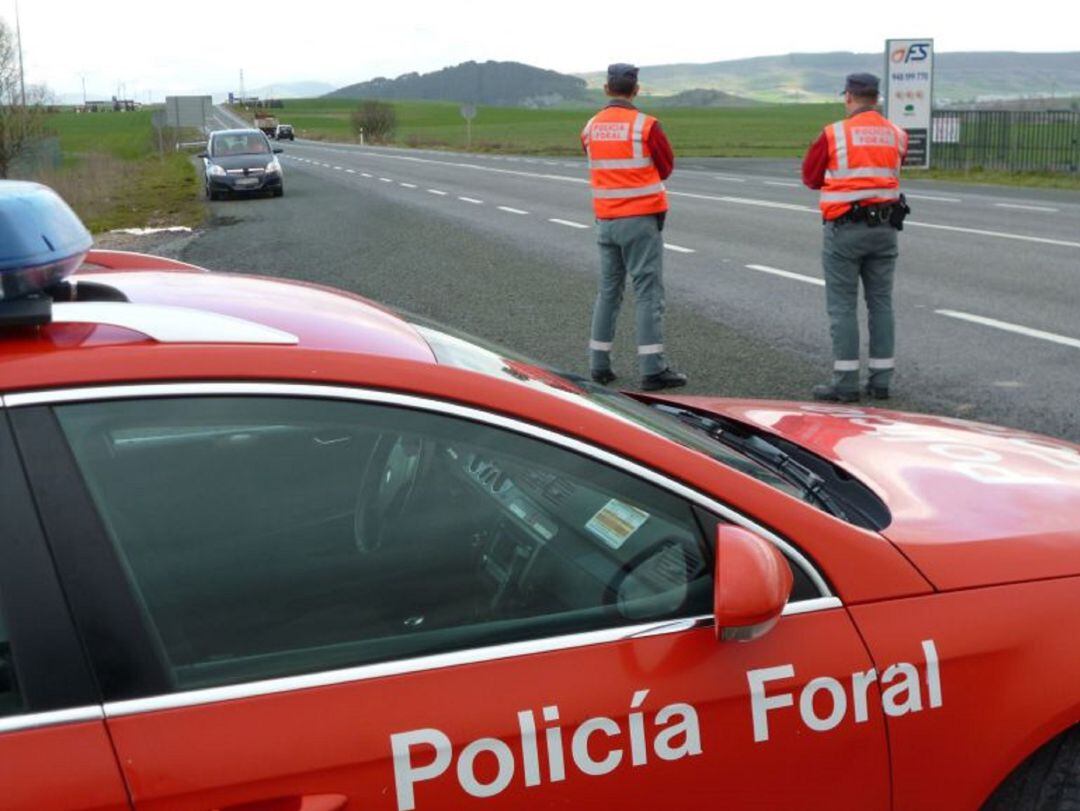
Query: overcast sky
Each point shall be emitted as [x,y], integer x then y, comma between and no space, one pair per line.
[200,47]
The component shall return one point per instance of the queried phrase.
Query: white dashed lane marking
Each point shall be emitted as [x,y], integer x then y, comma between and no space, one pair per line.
[786,183]
[408,185]
[678,248]
[1015,328]
[787,274]
[1020,207]
[472,200]
[568,223]
[911,196]
[386,179]
[438,192]
[510,210]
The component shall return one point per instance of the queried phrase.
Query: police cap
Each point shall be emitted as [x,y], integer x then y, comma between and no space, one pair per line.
[622,71]
[861,84]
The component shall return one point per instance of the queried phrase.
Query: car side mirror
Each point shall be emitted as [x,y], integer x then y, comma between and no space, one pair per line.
[278,149]
[751,586]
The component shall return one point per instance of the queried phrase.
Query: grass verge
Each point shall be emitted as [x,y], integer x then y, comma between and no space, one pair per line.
[765,131]
[1033,180]
[113,176]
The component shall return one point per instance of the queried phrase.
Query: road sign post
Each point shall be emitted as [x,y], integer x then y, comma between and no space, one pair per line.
[468,112]
[909,94]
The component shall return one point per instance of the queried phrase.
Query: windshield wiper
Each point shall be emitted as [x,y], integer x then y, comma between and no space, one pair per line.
[812,486]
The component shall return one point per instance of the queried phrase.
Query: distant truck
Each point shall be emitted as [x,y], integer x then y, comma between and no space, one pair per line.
[267,123]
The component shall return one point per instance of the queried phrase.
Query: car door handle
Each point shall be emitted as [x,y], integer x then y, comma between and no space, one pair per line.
[307,802]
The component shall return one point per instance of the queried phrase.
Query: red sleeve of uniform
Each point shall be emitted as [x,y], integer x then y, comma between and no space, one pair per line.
[660,149]
[815,163]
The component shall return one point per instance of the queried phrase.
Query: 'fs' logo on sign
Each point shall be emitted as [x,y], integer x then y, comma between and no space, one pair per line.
[915,52]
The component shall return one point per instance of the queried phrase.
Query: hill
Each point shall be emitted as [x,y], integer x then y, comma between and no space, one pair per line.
[960,76]
[506,84]
[699,97]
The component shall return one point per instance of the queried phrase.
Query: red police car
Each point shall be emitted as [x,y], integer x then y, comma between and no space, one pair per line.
[269,546]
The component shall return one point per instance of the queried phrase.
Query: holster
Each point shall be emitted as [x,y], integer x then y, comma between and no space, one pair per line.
[900,210]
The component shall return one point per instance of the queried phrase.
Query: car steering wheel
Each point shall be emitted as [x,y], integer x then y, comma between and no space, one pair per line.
[386,487]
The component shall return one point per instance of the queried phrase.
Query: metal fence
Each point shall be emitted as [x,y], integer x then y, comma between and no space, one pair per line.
[1006,140]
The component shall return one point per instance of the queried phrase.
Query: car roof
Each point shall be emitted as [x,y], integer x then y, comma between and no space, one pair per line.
[213,308]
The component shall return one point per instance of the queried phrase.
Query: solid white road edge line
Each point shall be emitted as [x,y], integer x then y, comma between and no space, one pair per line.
[787,274]
[1007,327]
[569,223]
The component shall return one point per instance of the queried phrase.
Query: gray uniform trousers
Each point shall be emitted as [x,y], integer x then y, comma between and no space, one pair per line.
[854,251]
[631,245]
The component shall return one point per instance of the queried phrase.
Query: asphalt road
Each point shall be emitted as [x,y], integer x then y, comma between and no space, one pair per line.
[988,284]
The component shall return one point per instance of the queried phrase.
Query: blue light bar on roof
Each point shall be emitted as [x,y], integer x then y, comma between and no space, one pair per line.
[42,241]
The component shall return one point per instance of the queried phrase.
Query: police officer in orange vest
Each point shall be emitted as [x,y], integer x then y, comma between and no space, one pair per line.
[856,165]
[629,158]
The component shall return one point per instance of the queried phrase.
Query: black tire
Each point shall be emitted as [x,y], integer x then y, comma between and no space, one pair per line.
[278,192]
[1049,780]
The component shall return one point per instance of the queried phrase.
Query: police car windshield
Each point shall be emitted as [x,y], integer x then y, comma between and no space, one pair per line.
[479,356]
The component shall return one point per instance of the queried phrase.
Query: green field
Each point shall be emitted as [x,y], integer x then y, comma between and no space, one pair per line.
[112,175]
[767,131]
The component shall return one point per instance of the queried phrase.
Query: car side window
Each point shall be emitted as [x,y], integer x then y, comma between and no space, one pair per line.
[10,698]
[269,536]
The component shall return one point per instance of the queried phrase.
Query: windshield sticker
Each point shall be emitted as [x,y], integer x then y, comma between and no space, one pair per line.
[616,522]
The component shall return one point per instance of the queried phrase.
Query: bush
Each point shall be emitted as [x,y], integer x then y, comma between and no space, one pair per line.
[376,119]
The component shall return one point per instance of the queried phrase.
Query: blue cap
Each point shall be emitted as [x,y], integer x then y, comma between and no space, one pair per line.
[41,238]
[622,70]
[861,84]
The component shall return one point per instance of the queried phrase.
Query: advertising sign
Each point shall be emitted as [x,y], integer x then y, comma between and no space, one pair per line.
[187,111]
[909,93]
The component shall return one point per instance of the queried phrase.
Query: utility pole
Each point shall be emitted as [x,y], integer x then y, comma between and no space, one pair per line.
[83,77]
[242,94]
[18,35]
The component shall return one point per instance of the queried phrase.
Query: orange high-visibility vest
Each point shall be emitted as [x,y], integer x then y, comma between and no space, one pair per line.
[625,183]
[865,152]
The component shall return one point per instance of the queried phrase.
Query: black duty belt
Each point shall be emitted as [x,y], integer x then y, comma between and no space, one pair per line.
[872,215]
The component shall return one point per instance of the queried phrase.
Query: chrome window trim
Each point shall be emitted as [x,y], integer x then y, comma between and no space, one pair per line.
[127,392]
[438,661]
[40,720]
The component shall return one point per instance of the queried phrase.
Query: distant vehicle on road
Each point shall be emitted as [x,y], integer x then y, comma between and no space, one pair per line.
[267,123]
[284,132]
[241,161]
